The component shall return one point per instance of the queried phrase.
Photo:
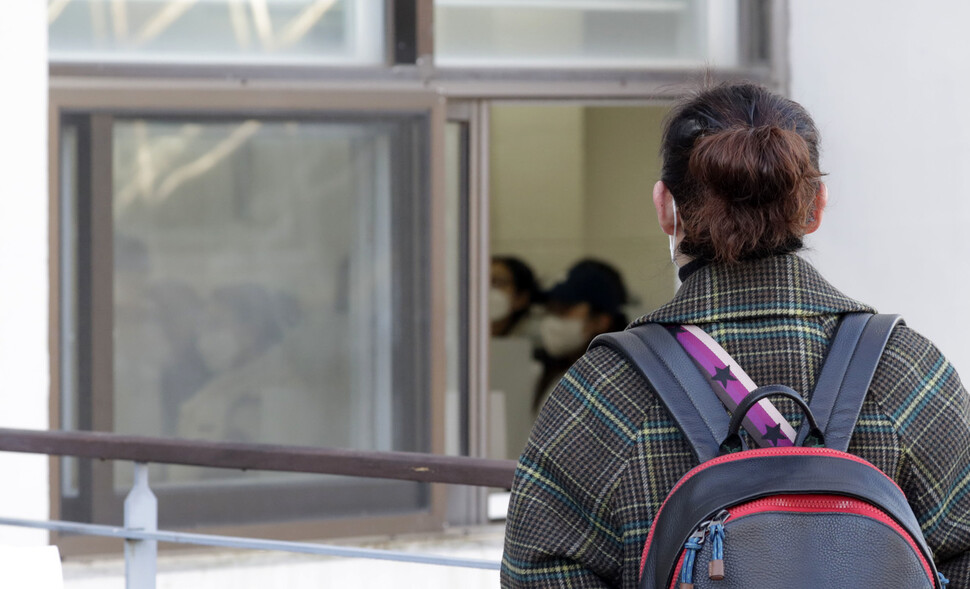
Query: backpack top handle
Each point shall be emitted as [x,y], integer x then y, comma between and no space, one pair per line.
[734,443]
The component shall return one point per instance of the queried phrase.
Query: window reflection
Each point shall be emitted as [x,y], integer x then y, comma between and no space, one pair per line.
[585,33]
[256,280]
[246,31]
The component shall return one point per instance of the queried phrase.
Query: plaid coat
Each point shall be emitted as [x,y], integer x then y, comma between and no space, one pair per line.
[605,452]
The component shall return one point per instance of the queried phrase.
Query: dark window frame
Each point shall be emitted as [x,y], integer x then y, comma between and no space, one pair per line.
[101,502]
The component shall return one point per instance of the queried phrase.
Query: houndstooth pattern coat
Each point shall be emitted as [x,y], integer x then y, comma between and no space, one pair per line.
[604,451]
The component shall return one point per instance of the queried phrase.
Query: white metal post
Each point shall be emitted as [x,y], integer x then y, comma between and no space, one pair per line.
[141,514]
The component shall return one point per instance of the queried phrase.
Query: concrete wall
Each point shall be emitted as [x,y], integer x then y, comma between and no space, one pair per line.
[886,83]
[24,362]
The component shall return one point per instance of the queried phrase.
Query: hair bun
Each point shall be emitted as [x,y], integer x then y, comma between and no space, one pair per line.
[752,165]
[742,163]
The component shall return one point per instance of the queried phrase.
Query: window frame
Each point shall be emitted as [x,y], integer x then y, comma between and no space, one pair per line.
[356,26]
[473,83]
[457,94]
[102,99]
[467,505]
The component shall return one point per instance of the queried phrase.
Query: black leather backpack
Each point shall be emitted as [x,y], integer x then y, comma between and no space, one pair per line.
[807,516]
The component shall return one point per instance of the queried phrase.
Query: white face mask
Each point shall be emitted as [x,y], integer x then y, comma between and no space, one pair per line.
[673,238]
[561,337]
[499,304]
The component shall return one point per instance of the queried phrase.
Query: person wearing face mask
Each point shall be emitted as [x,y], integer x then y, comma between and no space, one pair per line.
[513,292]
[587,303]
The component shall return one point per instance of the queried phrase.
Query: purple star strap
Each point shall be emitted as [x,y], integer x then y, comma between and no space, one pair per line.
[764,423]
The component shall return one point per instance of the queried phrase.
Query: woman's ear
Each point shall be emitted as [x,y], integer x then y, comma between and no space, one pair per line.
[663,201]
[818,209]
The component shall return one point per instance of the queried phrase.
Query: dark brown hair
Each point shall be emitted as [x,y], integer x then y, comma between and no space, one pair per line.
[742,165]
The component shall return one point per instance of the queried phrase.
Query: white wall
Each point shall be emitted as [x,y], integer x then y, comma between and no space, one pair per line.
[24,370]
[886,82]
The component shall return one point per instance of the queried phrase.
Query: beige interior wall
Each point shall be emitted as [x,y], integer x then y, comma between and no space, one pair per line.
[621,165]
[569,182]
[536,185]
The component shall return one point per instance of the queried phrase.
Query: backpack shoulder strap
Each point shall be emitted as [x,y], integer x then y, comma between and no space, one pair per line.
[846,375]
[659,357]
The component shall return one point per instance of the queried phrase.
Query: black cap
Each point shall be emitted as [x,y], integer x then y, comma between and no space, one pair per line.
[593,282]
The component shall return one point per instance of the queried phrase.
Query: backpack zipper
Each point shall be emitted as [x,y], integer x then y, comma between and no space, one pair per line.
[713,527]
[693,545]
[756,453]
[715,568]
[811,504]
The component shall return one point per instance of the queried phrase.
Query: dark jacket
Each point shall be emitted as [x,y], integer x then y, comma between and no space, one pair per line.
[605,452]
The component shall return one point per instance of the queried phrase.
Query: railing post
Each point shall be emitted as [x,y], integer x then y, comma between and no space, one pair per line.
[141,514]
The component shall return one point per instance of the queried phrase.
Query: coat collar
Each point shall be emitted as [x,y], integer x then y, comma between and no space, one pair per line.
[779,286]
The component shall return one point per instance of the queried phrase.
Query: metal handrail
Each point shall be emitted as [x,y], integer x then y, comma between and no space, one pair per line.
[250,543]
[141,531]
[409,466]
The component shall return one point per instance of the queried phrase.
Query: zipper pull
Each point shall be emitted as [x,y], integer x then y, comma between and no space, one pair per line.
[715,568]
[691,548]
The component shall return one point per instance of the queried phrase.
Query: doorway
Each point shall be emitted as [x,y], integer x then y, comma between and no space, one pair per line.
[567,184]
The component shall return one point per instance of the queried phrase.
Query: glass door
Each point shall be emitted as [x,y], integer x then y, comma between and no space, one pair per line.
[253,275]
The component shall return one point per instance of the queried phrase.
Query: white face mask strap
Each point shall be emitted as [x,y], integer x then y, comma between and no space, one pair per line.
[673,238]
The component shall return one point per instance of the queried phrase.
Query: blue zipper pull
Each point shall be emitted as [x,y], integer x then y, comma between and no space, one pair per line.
[691,548]
[715,568]
[943,580]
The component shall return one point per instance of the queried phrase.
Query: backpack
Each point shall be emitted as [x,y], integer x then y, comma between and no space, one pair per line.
[799,517]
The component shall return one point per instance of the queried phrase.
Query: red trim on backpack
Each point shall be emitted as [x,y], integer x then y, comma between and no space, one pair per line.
[815,504]
[829,504]
[756,453]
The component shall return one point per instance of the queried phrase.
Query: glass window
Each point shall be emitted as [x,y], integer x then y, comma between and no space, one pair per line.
[221,31]
[586,33]
[269,284]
